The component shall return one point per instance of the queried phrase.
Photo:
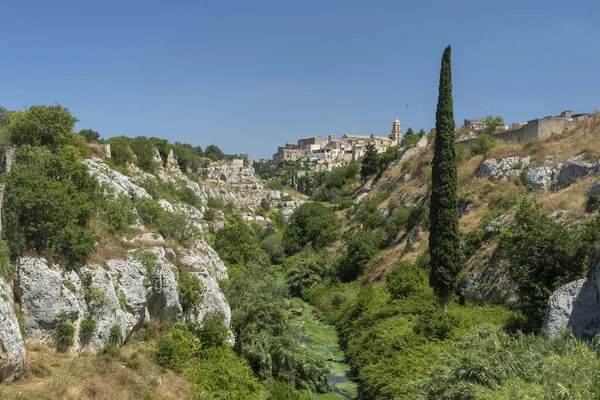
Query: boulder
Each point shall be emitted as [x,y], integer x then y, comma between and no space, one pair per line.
[575,306]
[500,170]
[12,347]
[574,169]
[594,189]
[542,178]
[114,180]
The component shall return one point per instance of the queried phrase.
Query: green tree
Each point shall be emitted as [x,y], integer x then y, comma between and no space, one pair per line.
[362,247]
[492,124]
[421,133]
[238,245]
[444,237]
[144,153]
[90,135]
[369,161]
[50,200]
[544,255]
[49,126]
[482,145]
[409,138]
[214,152]
[311,223]
[120,152]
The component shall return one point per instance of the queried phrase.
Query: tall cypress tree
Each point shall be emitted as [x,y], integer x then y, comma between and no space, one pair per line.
[444,239]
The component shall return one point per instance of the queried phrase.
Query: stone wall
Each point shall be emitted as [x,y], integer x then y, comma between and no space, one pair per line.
[535,129]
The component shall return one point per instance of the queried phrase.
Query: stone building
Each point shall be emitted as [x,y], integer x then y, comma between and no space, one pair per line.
[540,128]
[333,151]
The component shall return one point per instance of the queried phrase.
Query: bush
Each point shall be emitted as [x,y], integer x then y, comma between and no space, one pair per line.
[237,244]
[265,335]
[150,211]
[175,347]
[220,374]
[264,204]
[273,246]
[368,214]
[65,331]
[434,323]
[115,337]
[6,269]
[50,126]
[118,214]
[190,292]
[188,196]
[178,226]
[311,223]
[405,280]
[305,270]
[543,256]
[144,153]
[120,154]
[213,332]
[482,145]
[86,330]
[362,247]
[490,364]
[50,200]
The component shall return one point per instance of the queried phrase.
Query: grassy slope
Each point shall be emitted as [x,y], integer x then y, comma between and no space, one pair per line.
[53,376]
[582,139]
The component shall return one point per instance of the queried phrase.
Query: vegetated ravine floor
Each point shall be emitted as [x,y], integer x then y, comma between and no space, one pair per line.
[323,339]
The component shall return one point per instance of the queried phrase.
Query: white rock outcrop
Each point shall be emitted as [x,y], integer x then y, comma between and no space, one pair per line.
[500,170]
[12,347]
[576,168]
[575,306]
[544,177]
[119,183]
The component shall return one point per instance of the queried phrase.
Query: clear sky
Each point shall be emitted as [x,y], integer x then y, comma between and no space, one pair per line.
[249,75]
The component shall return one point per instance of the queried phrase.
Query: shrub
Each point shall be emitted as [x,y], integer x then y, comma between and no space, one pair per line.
[50,126]
[120,154]
[265,335]
[311,223]
[543,256]
[50,199]
[220,372]
[215,202]
[82,147]
[190,292]
[175,346]
[86,330]
[188,196]
[6,269]
[305,270]
[434,323]
[94,297]
[264,204]
[178,226]
[144,153]
[65,331]
[237,244]
[405,280]
[149,211]
[213,332]
[482,145]
[115,337]
[273,246]
[362,247]
[368,214]
[118,214]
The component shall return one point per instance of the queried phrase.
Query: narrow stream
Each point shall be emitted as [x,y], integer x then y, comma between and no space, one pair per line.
[322,338]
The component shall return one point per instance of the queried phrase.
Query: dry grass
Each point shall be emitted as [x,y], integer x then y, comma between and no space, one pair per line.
[54,376]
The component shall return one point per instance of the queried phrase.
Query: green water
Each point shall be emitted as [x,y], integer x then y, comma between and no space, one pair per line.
[323,339]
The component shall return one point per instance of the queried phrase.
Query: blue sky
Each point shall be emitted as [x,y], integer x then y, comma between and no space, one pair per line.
[251,75]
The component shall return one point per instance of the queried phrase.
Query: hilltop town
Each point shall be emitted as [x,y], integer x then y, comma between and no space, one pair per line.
[326,154]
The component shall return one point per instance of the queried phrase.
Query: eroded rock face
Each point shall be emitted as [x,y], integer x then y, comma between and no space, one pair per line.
[500,170]
[126,294]
[544,177]
[12,348]
[576,168]
[575,306]
[119,183]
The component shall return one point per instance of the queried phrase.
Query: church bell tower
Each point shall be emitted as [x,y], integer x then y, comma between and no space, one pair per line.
[396,134]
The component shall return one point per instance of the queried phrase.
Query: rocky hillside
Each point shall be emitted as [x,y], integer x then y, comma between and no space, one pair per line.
[136,278]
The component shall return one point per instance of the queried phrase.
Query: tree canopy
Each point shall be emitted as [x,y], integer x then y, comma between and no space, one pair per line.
[311,223]
[49,126]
